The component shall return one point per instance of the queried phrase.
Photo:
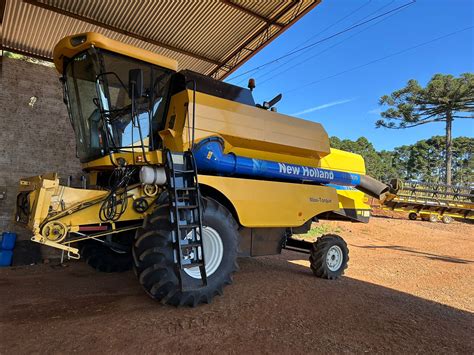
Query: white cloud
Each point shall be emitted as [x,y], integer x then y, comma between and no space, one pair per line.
[375,111]
[320,107]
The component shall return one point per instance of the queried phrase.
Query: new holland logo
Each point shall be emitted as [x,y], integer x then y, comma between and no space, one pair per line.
[305,171]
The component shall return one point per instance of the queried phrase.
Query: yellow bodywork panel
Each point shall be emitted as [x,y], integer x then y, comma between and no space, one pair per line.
[260,203]
[243,127]
[84,41]
[343,161]
[260,134]
[352,199]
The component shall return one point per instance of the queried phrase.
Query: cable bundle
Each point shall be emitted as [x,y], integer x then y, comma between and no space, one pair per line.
[116,201]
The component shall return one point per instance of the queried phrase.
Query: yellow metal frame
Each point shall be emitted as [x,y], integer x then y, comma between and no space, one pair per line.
[72,207]
[108,161]
[427,213]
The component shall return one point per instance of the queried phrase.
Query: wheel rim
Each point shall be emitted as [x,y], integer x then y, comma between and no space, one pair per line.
[334,258]
[447,219]
[213,253]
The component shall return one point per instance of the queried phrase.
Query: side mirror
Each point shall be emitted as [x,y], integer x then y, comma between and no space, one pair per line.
[272,102]
[135,83]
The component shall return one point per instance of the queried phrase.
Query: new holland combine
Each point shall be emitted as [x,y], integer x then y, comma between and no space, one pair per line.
[185,173]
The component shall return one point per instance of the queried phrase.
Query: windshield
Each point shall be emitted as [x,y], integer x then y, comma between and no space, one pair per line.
[100,108]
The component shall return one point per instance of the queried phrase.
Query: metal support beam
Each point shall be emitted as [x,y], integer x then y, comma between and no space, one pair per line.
[122,31]
[2,9]
[280,13]
[252,13]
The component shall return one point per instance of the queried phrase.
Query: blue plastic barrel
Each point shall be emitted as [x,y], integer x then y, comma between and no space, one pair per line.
[6,257]
[8,241]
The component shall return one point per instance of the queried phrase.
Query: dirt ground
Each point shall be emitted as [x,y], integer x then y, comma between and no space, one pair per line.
[409,288]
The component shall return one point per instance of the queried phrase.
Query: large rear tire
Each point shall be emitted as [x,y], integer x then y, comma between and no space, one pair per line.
[329,256]
[154,260]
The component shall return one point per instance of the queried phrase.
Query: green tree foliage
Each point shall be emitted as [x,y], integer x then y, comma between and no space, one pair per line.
[444,99]
[373,162]
[422,161]
[25,58]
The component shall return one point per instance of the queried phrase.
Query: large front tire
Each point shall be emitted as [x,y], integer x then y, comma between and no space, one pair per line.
[154,260]
[102,258]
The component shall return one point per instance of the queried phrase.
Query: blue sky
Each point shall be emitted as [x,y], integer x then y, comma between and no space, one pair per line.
[347,104]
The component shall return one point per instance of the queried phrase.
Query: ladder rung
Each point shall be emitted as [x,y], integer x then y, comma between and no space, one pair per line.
[184,198]
[186,189]
[183,171]
[191,245]
[190,265]
[188,226]
[187,207]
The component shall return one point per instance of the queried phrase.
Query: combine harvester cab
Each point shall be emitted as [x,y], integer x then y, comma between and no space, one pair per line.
[185,174]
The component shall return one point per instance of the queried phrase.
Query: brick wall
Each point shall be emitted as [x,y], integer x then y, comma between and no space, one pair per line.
[34,139]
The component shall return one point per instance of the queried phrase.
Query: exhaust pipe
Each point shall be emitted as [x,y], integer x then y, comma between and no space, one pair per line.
[372,187]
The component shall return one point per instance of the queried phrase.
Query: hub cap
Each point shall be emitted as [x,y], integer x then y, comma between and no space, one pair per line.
[213,253]
[334,258]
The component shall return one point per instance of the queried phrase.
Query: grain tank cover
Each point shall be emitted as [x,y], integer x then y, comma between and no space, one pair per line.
[257,131]
[229,111]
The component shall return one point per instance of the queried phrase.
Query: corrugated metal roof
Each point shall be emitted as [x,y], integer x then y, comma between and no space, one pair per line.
[213,37]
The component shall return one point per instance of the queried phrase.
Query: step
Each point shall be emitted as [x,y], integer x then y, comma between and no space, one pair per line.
[190,265]
[188,226]
[183,171]
[188,207]
[179,189]
[191,245]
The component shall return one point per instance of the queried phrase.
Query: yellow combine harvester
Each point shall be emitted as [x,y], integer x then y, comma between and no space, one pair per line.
[146,134]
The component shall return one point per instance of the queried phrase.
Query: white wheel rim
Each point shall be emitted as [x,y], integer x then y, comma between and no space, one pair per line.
[213,253]
[334,258]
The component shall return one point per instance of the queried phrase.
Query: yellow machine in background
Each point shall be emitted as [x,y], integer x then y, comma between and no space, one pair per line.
[184,171]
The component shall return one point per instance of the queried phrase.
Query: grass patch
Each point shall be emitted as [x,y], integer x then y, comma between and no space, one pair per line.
[318,230]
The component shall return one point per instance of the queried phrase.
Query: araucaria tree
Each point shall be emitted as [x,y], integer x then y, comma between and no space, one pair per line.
[444,99]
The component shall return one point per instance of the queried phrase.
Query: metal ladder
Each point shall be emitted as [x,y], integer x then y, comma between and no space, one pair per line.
[186,213]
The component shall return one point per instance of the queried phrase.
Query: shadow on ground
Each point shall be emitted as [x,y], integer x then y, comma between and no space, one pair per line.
[450,259]
[273,306]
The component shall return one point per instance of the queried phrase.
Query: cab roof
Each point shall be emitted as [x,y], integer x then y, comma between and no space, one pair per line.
[70,46]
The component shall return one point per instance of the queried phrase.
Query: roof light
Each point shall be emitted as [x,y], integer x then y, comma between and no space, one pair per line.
[77,40]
